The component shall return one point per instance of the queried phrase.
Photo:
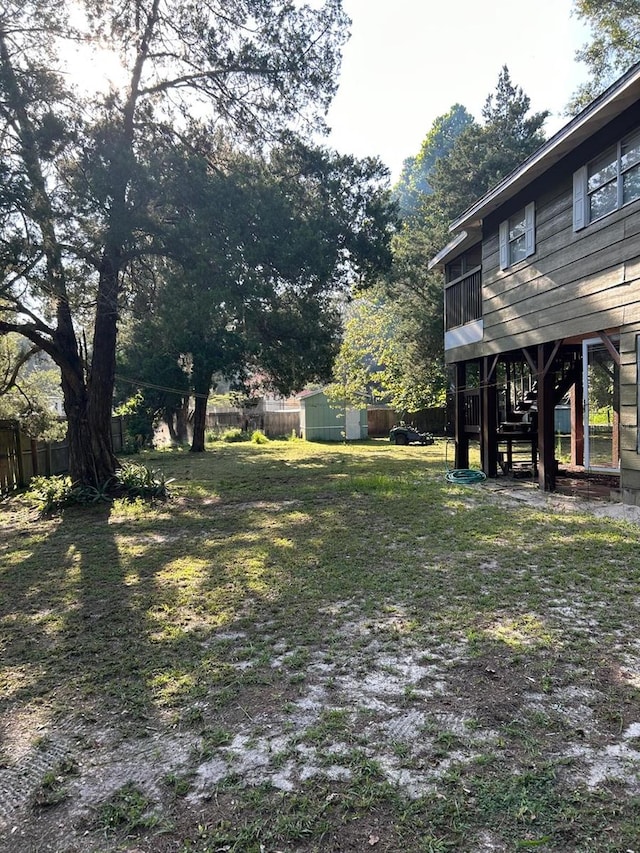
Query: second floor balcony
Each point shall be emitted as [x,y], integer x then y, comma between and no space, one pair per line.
[463,309]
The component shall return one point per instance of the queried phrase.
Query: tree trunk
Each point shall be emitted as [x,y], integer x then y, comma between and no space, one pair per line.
[89,464]
[102,373]
[169,419]
[202,383]
[182,418]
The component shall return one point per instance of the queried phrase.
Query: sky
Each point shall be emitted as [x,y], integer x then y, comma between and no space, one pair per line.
[409,61]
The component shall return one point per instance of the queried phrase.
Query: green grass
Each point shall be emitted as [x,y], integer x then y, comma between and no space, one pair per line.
[323,645]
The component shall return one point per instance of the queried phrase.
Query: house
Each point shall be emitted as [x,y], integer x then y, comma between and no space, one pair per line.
[542,301]
[324,420]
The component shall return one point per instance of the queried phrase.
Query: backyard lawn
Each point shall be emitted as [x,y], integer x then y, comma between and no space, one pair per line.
[320,648]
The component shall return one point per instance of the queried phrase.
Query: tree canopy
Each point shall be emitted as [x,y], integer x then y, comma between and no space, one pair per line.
[262,253]
[80,214]
[29,389]
[465,159]
[614,45]
[484,153]
[413,183]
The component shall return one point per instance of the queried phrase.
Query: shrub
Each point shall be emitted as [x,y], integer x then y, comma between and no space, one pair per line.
[234,434]
[49,494]
[258,437]
[132,480]
[136,480]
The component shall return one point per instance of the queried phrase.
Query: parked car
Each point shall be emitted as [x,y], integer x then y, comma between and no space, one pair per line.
[403,434]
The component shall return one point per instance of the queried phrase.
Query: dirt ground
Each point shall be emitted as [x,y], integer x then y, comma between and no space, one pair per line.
[415,708]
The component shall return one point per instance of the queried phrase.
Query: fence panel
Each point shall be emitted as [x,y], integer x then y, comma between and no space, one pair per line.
[22,458]
[380,421]
[281,423]
[273,424]
[10,457]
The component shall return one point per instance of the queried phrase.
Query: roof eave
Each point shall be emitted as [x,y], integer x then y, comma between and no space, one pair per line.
[460,242]
[603,109]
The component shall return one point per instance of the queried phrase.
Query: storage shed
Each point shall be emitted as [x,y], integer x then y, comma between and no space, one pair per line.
[325,420]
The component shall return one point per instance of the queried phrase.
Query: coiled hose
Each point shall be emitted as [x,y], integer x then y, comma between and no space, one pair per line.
[465,476]
[462,476]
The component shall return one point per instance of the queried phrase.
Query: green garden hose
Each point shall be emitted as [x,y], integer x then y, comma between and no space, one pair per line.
[461,476]
[465,476]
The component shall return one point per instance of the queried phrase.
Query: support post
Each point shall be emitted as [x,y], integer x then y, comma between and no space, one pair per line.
[488,417]
[546,421]
[462,439]
[577,423]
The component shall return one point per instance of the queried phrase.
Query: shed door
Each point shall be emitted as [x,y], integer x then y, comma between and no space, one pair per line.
[353,425]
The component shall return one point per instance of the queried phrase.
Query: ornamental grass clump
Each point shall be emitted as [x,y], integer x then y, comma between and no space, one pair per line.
[137,481]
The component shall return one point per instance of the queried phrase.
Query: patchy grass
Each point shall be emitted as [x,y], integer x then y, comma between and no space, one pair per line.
[320,648]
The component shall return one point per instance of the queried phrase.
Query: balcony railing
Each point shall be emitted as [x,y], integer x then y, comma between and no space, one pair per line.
[463,299]
[471,404]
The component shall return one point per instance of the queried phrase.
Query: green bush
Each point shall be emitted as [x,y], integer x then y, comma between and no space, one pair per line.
[49,494]
[258,437]
[132,480]
[234,434]
[138,481]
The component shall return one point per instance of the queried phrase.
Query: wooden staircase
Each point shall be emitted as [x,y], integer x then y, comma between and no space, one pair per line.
[521,423]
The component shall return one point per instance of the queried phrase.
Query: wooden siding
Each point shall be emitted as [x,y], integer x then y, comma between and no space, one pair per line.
[629,457]
[575,284]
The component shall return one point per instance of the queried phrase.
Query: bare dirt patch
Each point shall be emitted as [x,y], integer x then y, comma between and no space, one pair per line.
[332,674]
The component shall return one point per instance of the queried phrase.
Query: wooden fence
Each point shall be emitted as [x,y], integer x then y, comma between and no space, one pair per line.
[22,457]
[428,420]
[272,424]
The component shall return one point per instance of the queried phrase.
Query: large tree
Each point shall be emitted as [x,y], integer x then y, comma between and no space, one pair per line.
[414,183]
[380,358]
[77,208]
[276,242]
[481,154]
[484,153]
[614,45]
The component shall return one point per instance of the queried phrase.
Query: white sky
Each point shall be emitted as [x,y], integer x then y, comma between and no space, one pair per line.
[409,61]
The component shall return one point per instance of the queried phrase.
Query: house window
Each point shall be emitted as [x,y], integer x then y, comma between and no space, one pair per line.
[518,236]
[607,183]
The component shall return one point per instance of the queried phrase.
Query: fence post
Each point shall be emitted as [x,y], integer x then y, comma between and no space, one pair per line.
[35,467]
[18,445]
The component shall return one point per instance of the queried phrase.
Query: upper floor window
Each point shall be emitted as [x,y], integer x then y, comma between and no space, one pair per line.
[608,182]
[518,236]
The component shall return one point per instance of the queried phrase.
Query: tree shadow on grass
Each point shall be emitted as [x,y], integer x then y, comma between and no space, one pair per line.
[72,633]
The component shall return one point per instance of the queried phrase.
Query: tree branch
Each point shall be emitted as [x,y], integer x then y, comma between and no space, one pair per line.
[10,380]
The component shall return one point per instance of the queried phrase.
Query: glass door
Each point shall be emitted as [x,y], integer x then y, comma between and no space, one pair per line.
[601,407]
